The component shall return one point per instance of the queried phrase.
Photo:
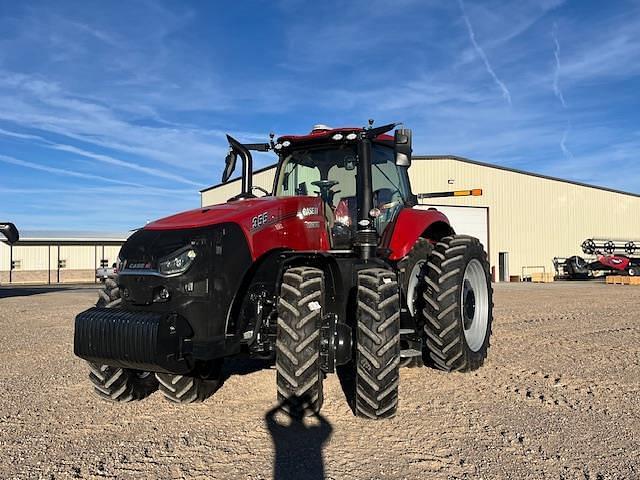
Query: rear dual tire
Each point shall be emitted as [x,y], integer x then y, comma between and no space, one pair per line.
[184,390]
[458,305]
[120,384]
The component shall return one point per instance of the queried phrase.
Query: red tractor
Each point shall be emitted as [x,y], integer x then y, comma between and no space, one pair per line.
[333,267]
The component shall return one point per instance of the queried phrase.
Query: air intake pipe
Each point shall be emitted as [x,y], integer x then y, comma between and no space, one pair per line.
[235,149]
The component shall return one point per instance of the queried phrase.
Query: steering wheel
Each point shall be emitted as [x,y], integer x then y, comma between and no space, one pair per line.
[325,184]
[396,199]
[260,189]
[325,192]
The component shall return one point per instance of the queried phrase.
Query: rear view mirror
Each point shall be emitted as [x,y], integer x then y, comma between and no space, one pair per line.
[349,162]
[10,231]
[402,146]
[230,165]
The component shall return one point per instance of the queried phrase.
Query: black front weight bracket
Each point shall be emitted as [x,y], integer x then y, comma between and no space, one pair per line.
[335,343]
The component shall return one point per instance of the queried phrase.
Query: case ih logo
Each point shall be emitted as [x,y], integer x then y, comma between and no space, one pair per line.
[306,211]
[139,266]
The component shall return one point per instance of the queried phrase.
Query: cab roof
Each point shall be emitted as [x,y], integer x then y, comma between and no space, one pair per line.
[319,135]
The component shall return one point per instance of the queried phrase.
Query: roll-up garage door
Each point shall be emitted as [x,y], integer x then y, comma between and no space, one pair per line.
[472,221]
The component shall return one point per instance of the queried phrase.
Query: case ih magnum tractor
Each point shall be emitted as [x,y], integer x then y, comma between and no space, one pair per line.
[333,267]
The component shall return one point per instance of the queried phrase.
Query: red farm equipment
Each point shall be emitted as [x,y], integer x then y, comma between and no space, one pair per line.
[605,256]
[332,267]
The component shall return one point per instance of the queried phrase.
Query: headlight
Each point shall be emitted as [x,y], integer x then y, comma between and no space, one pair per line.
[177,262]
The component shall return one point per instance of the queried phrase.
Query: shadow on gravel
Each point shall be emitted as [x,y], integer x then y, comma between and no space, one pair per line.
[6,292]
[242,366]
[237,366]
[298,441]
[347,376]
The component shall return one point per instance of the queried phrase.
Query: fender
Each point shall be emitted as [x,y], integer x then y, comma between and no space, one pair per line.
[412,224]
[267,272]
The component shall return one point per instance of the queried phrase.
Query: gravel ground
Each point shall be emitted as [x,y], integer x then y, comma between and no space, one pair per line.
[558,398]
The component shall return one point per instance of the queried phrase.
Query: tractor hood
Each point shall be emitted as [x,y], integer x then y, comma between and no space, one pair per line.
[239,211]
[267,223]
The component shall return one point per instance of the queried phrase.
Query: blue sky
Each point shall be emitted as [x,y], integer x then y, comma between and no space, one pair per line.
[114,113]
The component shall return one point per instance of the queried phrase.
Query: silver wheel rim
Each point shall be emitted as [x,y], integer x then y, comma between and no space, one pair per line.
[412,288]
[474,301]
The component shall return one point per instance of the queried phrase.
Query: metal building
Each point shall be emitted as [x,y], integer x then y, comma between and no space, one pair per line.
[56,259]
[523,219]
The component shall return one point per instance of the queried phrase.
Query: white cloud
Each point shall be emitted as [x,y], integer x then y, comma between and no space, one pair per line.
[556,73]
[63,171]
[505,91]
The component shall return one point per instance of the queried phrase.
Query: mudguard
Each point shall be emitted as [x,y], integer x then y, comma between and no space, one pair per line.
[412,224]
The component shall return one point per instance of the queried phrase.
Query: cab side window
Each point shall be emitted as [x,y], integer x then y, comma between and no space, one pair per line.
[296,179]
[389,188]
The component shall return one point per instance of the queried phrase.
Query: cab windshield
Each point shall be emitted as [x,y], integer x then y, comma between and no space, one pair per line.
[330,173]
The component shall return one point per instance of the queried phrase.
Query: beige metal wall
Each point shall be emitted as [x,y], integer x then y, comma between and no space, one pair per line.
[222,193]
[532,218]
[39,263]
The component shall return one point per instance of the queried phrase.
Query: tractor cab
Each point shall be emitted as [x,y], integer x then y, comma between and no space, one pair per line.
[328,168]
[360,175]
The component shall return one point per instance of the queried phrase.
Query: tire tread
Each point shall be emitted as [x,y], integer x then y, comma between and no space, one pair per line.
[298,374]
[378,344]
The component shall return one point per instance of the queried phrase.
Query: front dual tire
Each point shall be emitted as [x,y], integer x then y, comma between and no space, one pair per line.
[377,353]
[377,344]
[300,309]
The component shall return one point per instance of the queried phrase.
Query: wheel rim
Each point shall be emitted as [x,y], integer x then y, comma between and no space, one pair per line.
[474,301]
[414,280]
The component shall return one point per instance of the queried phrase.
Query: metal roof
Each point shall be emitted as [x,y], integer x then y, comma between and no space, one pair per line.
[69,238]
[522,172]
